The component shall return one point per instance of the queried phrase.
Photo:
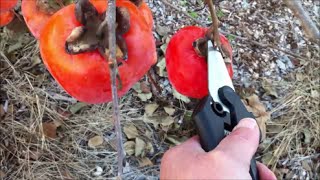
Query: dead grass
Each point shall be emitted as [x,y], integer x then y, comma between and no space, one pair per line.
[294,135]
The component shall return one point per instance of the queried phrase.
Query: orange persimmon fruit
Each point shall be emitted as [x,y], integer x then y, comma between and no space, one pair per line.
[6,5]
[34,18]
[86,76]
[6,17]
[147,14]
[187,71]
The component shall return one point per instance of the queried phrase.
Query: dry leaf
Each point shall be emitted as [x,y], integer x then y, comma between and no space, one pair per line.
[161,68]
[167,121]
[139,147]
[144,96]
[95,141]
[145,162]
[269,88]
[155,120]
[57,122]
[137,87]
[173,140]
[181,97]
[130,131]
[129,147]
[151,108]
[149,148]
[49,129]
[77,107]
[254,105]
[169,110]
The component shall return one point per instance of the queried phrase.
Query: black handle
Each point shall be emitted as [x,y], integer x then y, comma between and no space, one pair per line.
[237,112]
[210,126]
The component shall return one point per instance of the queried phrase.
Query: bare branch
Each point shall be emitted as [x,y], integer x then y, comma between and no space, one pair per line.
[111,19]
[215,23]
[308,26]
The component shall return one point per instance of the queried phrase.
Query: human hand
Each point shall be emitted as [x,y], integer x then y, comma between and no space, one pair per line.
[229,160]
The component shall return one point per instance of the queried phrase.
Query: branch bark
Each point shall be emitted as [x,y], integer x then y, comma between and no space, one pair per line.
[311,30]
[111,19]
[215,23]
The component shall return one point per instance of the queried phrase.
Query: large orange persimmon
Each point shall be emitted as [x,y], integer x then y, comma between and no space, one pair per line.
[187,71]
[86,76]
[146,12]
[6,17]
[6,5]
[34,18]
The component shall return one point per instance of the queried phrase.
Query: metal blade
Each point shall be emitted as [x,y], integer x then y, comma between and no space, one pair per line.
[217,74]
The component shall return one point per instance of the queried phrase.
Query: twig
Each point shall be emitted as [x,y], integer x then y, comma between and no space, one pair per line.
[308,26]
[186,14]
[111,19]
[215,23]
[150,74]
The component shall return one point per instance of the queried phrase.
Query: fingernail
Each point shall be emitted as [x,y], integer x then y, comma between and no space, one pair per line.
[246,123]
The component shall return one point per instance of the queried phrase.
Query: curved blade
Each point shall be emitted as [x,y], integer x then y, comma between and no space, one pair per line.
[217,74]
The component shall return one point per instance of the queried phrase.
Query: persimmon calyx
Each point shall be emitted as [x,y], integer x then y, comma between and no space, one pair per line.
[201,46]
[51,6]
[93,34]
[137,2]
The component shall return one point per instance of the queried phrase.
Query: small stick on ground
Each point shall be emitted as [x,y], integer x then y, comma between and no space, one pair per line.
[150,75]
[111,20]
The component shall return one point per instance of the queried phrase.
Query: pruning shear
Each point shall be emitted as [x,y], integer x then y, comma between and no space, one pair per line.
[222,109]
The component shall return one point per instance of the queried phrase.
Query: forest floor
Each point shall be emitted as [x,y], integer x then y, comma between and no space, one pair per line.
[47,134]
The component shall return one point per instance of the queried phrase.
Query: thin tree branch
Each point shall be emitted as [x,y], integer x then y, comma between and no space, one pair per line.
[111,19]
[308,26]
[215,23]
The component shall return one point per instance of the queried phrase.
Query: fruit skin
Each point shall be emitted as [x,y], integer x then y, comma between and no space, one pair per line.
[34,18]
[147,14]
[187,71]
[6,5]
[6,17]
[86,76]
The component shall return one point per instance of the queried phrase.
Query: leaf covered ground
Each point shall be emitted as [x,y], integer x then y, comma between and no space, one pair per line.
[46,134]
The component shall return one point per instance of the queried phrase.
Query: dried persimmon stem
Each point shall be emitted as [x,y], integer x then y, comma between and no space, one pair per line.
[111,20]
[215,23]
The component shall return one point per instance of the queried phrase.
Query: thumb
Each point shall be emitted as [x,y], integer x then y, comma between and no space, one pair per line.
[243,141]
